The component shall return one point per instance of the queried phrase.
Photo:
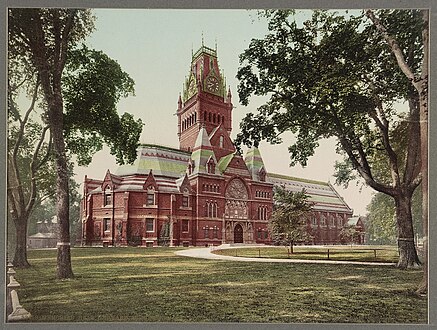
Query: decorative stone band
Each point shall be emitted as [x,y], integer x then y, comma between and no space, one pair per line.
[406,239]
[63,243]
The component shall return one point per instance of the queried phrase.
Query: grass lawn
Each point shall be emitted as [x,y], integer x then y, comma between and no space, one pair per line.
[340,253]
[154,285]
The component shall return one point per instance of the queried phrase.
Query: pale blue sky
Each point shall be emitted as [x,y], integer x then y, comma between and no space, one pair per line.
[154,47]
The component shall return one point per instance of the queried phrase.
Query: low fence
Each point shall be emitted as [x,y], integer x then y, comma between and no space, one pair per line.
[14,311]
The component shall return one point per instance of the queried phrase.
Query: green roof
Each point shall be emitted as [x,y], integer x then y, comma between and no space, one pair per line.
[147,145]
[291,178]
[161,160]
[224,162]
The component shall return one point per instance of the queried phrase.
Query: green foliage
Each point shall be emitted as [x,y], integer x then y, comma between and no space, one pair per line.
[333,76]
[381,220]
[93,85]
[290,214]
[349,234]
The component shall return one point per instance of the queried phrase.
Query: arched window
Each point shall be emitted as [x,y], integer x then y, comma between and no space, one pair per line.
[207,209]
[211,166]
[223,119]
[221,141]
[213,118]
[209,117]
[204,116]
[218,119]
[195,117]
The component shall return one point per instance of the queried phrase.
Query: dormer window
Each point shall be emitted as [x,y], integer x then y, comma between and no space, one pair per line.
[211,166]
[191,167]
[150,196]
[108,196]
[262,175]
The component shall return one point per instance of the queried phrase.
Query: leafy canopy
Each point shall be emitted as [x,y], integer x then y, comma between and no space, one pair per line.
[93,85]
[332,76]
[290,213]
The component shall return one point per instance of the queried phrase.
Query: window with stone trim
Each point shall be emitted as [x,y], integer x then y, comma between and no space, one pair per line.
[185,201]
[150,197]
[106,224]
[150,225]
[107,197]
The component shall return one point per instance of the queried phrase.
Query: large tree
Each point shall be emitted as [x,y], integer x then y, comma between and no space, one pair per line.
[418,78]
[333,76]
[47,39]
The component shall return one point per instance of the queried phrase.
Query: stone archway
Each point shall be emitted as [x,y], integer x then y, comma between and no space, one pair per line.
[238,234]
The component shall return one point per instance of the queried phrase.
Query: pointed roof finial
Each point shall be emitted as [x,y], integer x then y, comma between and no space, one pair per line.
[192,51]
[216,44]
[202,38]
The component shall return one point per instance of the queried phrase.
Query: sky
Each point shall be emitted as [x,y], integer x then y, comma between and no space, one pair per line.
[154,47]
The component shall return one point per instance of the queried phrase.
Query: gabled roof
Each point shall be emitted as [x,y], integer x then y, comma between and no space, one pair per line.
[224,162]
[321,193]
[163,161]
[233,164]
[355,221]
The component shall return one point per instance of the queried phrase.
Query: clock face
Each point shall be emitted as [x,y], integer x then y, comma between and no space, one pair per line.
[191,90]
[212,84]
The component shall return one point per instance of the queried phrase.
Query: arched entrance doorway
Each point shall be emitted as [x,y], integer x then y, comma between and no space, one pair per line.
[238,234]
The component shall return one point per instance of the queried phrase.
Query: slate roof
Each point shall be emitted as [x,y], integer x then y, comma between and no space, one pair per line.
[163,161]
[202,153]
[321,193]
[254,162]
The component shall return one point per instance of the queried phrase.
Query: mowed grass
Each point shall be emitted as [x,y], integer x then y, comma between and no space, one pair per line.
[154,285]
[340,253]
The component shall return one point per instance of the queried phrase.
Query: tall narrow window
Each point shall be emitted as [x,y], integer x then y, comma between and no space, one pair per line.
[149,224]
[150,197]
[211,166]
[206,232]
[185,201]
[106,224]
[221,141]
[184,226]
[107,198]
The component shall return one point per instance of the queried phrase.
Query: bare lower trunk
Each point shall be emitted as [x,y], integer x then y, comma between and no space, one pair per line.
[407,250]
[423,286]
[64,269]
[20,256]
[291,248]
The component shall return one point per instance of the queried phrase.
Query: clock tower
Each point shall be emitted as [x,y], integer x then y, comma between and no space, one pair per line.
[204,101]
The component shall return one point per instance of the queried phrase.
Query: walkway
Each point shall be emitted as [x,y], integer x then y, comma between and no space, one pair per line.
[205,253]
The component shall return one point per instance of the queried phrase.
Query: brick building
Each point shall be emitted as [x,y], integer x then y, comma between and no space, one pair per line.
[204,192]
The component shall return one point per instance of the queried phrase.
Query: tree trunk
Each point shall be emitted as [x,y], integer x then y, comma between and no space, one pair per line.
[423,286]
[20,256]
[291,248]
[407,250]
[64,269]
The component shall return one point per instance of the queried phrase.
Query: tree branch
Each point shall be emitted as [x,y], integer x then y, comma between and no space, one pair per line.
[393,44]
[33,169]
